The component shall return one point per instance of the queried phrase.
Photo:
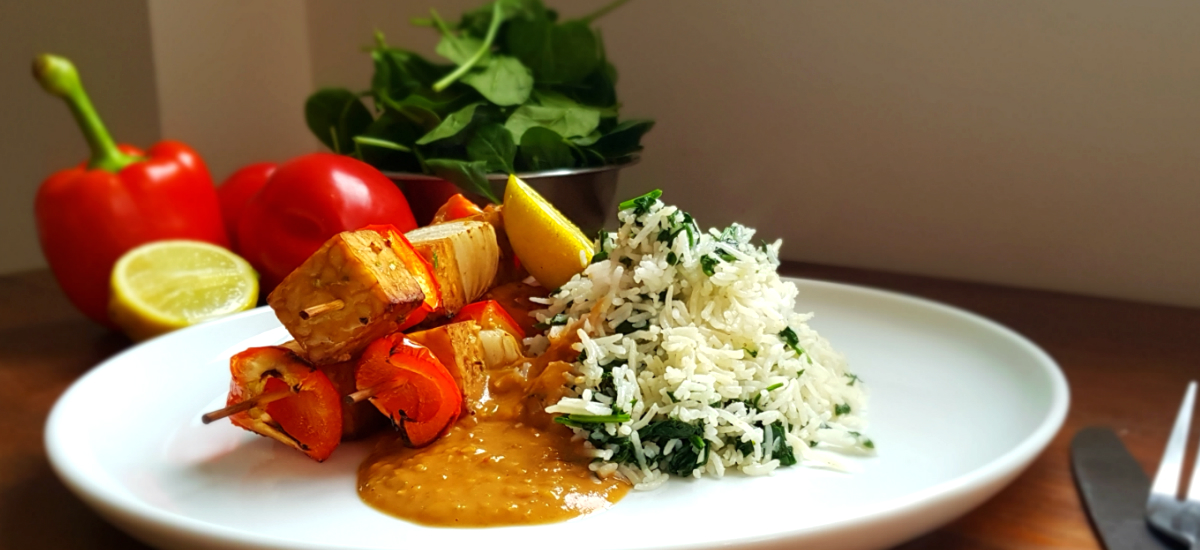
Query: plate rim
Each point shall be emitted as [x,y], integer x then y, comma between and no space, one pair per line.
[123,509]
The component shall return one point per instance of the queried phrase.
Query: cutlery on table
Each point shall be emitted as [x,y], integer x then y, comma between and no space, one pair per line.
[1178,519]
[1117,494]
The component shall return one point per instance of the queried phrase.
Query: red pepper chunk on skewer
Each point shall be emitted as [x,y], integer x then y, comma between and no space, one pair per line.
[411,387]
[490,315]
[309,420]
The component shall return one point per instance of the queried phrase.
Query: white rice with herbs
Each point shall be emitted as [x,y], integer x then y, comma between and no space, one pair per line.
[701,364]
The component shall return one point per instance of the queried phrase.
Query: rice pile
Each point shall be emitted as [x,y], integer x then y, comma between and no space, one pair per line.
[693,360]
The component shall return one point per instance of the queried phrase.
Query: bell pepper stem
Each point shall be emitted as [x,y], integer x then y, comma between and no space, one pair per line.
[58,76]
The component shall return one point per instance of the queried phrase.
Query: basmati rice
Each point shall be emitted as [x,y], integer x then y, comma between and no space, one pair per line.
[698,362]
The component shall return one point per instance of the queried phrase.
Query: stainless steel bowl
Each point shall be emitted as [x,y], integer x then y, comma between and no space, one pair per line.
[585,195]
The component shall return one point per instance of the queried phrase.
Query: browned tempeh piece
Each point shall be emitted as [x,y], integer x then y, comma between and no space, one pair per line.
[360,269]
[458,347]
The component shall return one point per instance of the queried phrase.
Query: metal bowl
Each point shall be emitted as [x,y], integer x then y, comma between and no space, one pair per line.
[585,195]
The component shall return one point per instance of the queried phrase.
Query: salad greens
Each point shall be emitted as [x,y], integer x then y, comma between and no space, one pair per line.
[519,90]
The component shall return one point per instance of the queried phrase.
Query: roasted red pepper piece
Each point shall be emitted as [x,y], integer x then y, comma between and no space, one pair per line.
[308,200]
[89,215]
[310,420]
[456,207]
[237,190]
[418,267]
[490,315]
[411,387]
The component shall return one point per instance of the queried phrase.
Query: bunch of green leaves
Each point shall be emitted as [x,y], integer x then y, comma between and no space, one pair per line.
[519,90]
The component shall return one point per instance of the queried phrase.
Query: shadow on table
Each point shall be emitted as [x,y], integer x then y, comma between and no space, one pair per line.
[40,512]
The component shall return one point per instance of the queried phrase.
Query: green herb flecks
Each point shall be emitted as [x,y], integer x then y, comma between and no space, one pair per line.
[782,451]
[560,319]
[790,338]
[580,420]
[841,409]
[709,265]
[641,205]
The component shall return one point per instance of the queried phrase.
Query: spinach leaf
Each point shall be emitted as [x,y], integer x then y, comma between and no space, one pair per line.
[451,125]
[691,451]
[503,81]
[562,53]
[476,21]
[399,73]
[543,149]
[623,140]
[641,203]
[469,176]
[393,127]
[335,116]
[493,144]
[565,121]
[458,49]
[417,108]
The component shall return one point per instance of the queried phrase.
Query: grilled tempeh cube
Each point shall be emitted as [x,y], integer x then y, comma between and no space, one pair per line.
[365,289]
[464,256]
[459,348]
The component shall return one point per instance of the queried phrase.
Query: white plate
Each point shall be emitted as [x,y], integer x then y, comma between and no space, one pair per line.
[958,407]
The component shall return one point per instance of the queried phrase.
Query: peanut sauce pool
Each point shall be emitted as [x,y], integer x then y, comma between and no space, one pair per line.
[507,463]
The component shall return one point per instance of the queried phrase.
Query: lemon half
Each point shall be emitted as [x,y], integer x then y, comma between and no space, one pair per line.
[549,246]
[167,285]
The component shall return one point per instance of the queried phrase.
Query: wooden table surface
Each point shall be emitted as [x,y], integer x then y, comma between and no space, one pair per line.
[1126,363]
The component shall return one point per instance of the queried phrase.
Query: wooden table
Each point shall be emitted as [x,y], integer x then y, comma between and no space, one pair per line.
[1126,364]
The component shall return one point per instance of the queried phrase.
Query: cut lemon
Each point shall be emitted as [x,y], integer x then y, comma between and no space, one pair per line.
[167,285]
[549,246]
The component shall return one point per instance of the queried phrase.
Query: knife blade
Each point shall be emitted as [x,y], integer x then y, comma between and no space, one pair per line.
[1114,489]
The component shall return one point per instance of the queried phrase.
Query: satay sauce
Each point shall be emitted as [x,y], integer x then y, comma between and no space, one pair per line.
[506,464]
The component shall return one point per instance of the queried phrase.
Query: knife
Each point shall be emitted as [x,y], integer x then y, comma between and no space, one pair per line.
[1114,489]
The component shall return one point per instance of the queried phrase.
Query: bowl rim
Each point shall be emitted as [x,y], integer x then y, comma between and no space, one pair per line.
[541,174]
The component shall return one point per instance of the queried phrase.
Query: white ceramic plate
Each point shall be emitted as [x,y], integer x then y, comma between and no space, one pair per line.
[958,407]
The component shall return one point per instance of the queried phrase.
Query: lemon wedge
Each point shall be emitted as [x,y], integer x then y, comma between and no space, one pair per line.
[165,285]
[550,247]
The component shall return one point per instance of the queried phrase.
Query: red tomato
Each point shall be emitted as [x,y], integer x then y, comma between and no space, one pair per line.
[237,190]
[308,200]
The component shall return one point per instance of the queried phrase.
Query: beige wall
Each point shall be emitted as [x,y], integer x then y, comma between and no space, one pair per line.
[1042,144]
[232,79]
[39,136]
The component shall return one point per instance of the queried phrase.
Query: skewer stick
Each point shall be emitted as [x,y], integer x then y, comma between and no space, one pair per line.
[321,308]
[370,392]
[261,399]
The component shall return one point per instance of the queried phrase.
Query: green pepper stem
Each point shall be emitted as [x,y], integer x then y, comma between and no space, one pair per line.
[58,76]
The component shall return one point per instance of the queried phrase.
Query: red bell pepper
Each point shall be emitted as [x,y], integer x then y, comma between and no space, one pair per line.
[490,315]
[411,387]
[456,207]
[308,200]
[309,420]
[89,215]
[237,190]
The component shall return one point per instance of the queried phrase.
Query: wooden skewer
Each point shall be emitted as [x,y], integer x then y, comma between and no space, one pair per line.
[361,394]
[261,399]
[370,392]
[321,308]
